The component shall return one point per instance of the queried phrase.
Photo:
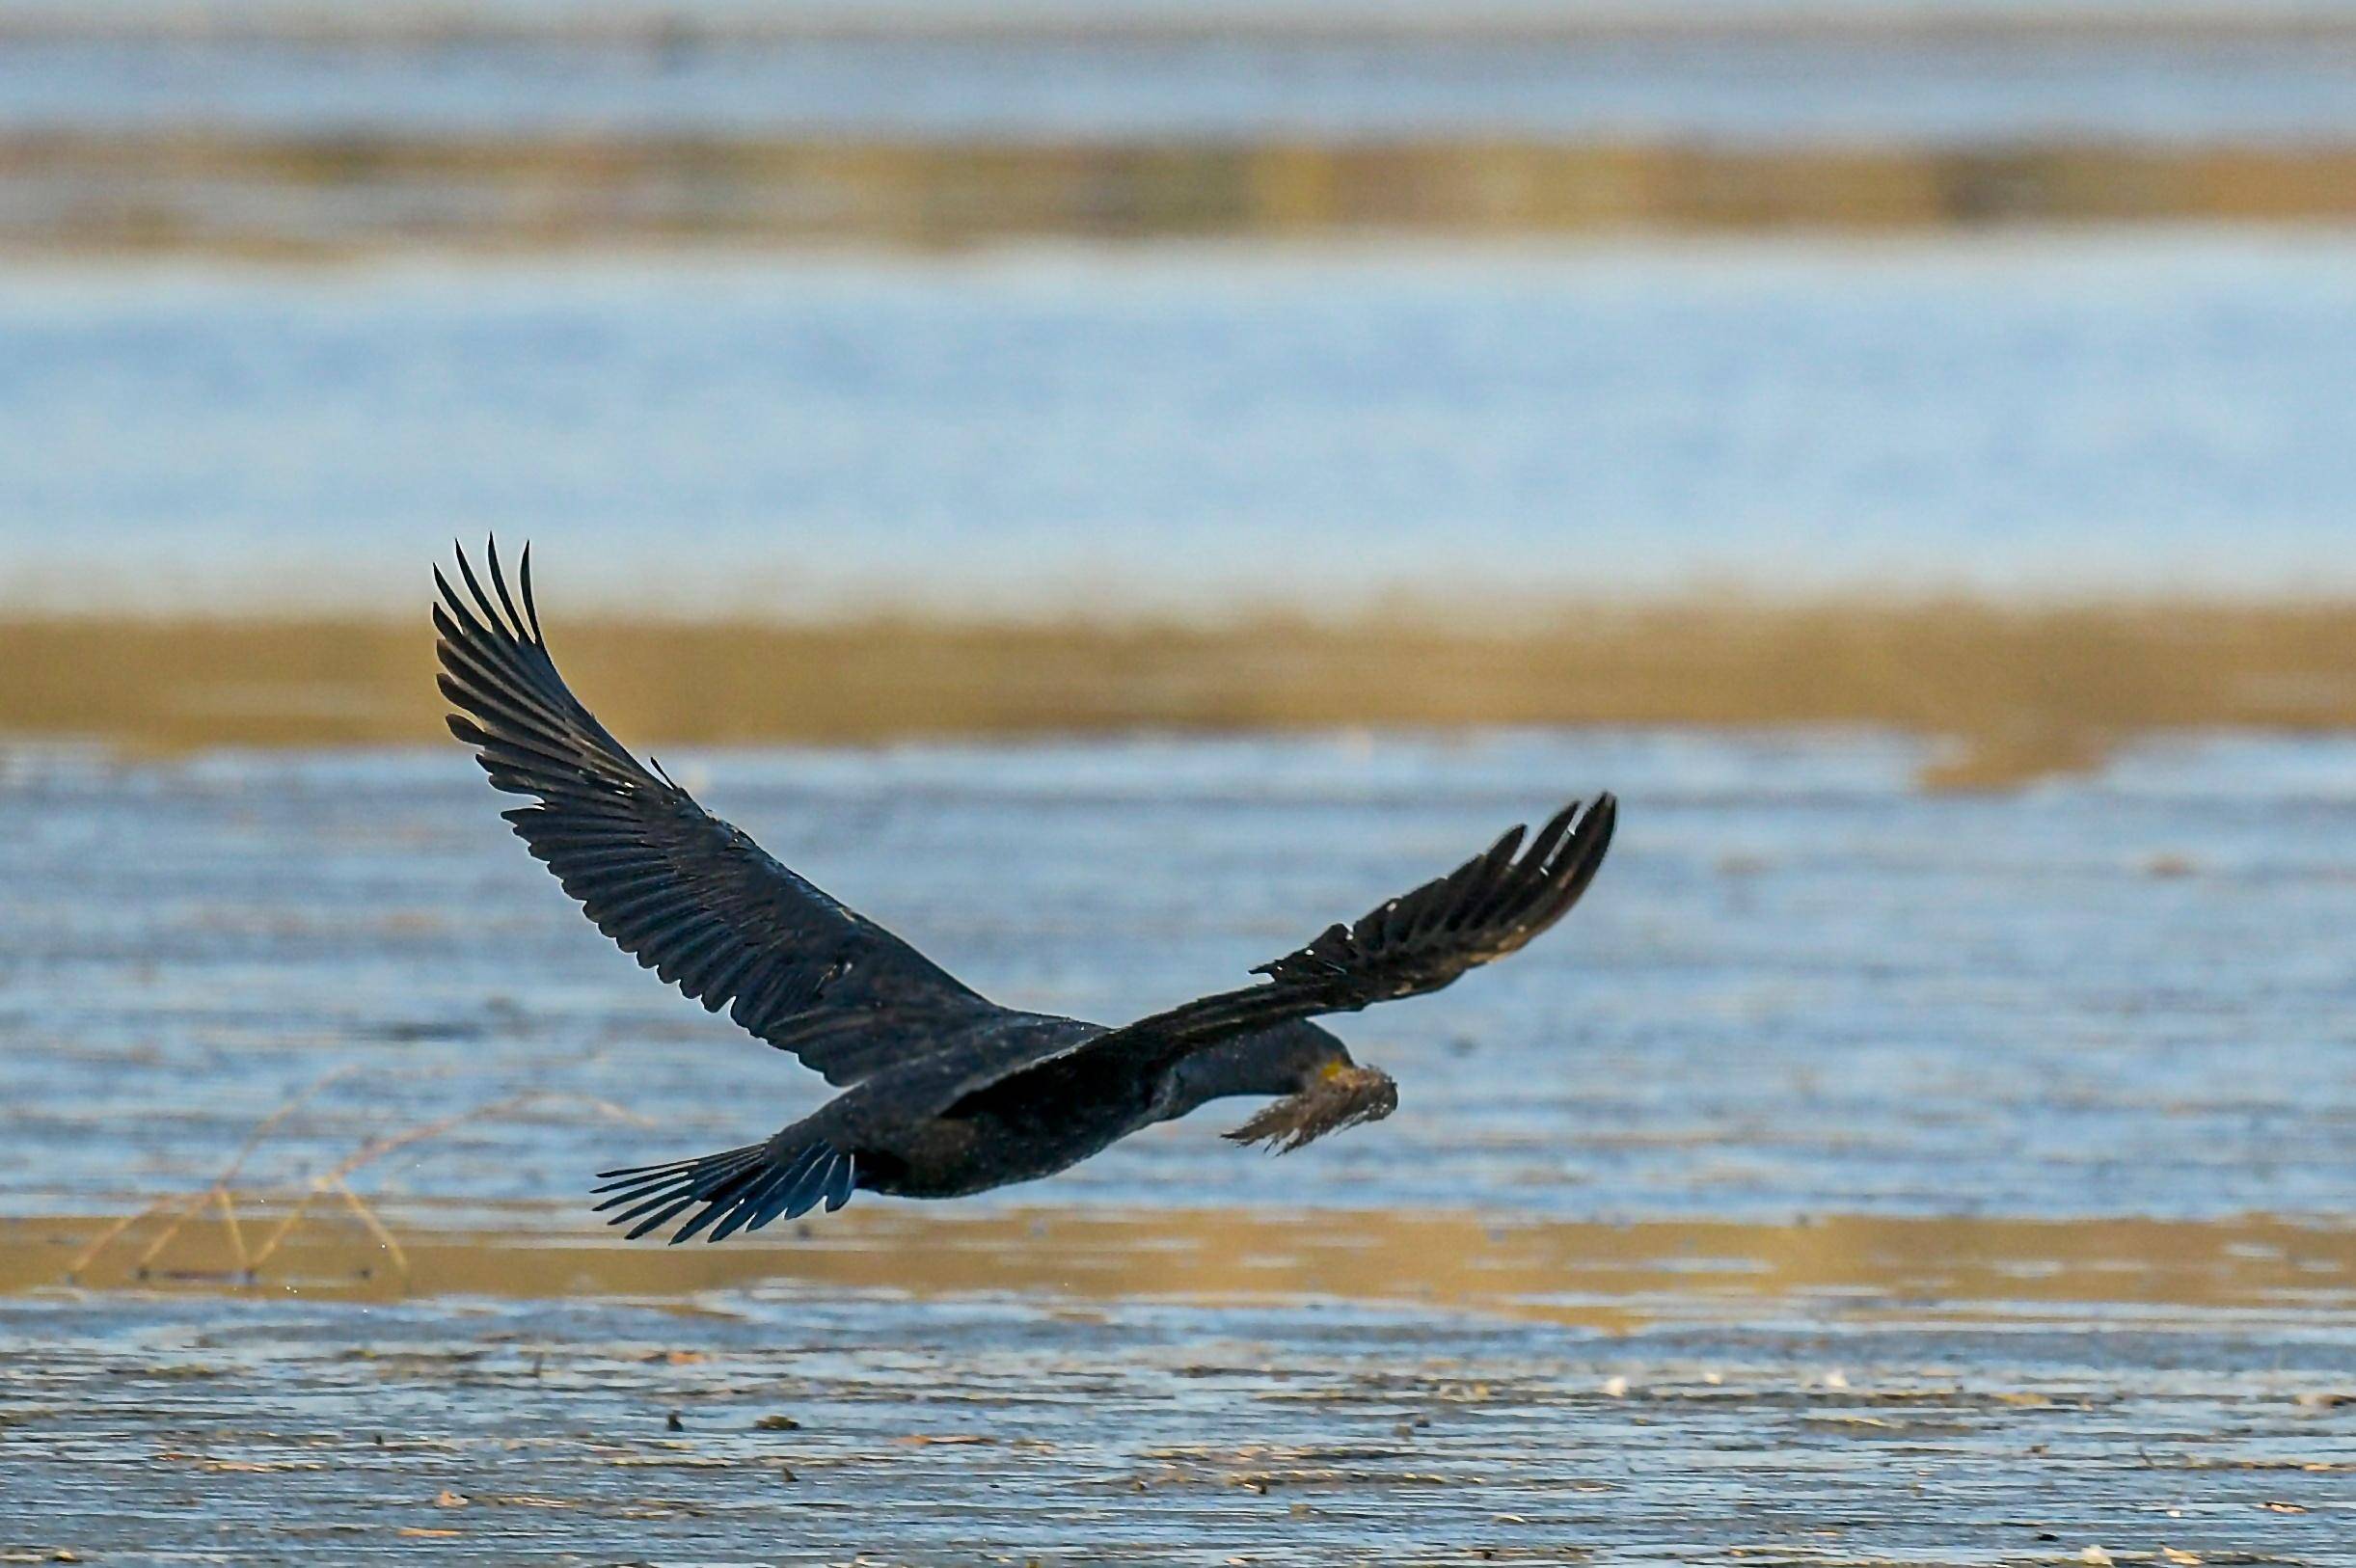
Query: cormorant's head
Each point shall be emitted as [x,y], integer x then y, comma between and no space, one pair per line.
[1323,1089]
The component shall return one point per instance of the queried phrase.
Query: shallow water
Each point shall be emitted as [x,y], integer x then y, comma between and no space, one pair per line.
[1801,987]
[1857,1176]
[1186,429]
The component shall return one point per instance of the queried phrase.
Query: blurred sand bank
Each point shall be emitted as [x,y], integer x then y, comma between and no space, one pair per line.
[2026,692]
[325,196]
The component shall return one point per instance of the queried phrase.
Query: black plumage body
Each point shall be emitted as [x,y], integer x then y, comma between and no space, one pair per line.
[945,1093]
[911,1147]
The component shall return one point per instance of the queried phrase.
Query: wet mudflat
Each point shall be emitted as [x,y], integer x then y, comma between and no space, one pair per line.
[1863,1175]
[1754,1417]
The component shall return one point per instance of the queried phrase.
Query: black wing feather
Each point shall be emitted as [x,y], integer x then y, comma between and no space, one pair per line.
[739,1189]
[1491,905]
[689,896]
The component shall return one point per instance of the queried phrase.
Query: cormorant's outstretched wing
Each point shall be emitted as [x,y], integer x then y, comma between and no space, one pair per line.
[691,897]
[1491,905]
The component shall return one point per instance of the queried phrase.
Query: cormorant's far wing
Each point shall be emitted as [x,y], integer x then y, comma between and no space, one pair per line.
[689,896]
[1491,905]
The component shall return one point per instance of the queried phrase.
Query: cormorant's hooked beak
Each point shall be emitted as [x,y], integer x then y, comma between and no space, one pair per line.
[1341,1094]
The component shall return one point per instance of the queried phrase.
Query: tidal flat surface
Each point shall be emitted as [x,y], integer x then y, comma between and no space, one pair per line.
[1861,1176]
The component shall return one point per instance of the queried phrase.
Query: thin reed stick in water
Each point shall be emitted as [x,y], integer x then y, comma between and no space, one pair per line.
[183,1206]
[218,1190]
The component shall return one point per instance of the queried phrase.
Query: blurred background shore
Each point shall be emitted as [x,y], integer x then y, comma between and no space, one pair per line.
[311,128]
[1966,367]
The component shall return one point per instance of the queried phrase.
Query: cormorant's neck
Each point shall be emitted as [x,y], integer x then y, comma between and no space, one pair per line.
[1261,1065]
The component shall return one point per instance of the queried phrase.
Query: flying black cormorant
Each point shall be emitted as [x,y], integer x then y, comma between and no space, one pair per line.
[945,1093]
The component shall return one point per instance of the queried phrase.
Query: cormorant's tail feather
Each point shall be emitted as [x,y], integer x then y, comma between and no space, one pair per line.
[738,1189]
